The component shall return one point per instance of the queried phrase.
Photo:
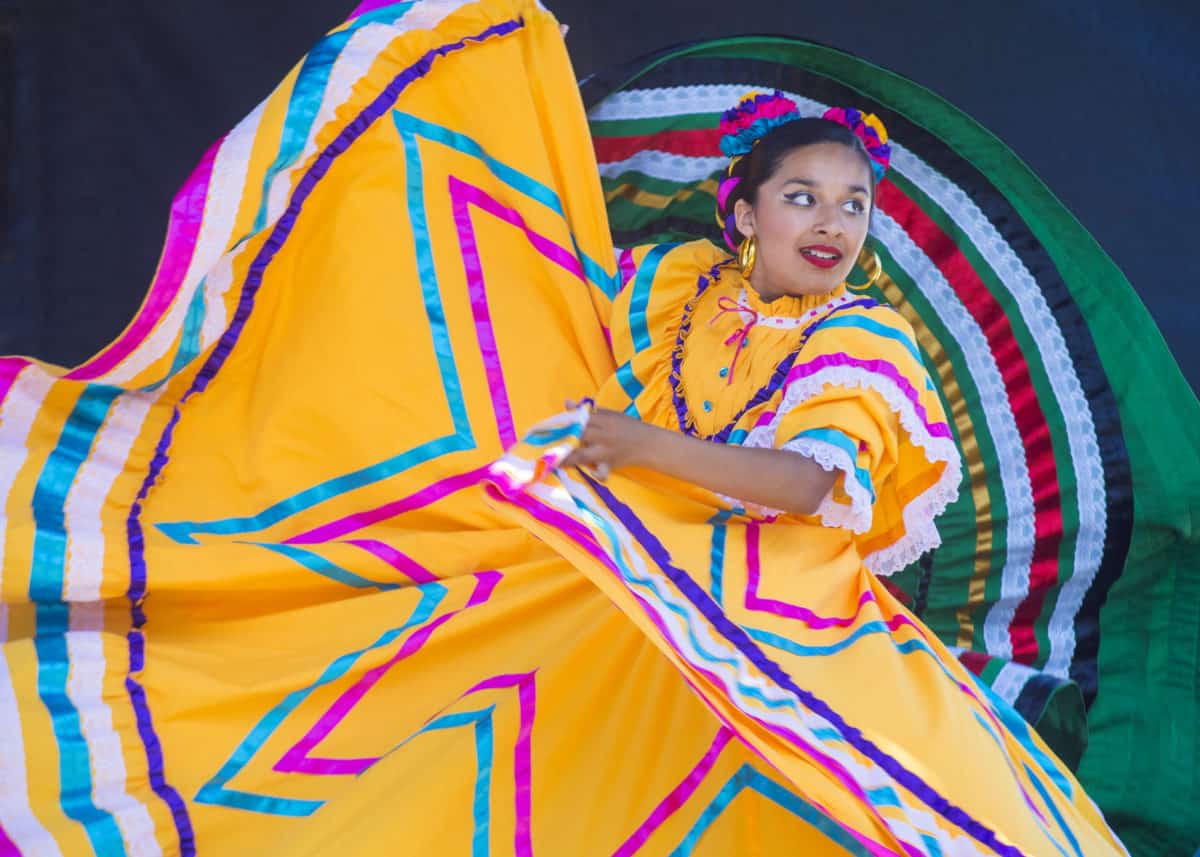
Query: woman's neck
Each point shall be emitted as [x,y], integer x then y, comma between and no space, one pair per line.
[769,294]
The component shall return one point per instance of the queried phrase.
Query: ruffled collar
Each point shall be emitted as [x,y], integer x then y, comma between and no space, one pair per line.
[786,306]
[786,312]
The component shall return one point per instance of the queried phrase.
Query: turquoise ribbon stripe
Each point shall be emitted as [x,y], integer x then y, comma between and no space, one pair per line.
[320,565]
[47,578]
[481,803]
[639,298]
[215,791]
[716,554]
[748,778]
[410,128]
[309,91]
[846,444]
[870,325]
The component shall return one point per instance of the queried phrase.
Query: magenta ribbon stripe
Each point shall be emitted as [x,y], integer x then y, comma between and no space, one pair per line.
[578,533]
[678,796]
[462,196]
[369,6]
[737,637]
[398,560]
[183,230]
[10,368]
[878,367]
[297,759]
[342,527]
[794,611]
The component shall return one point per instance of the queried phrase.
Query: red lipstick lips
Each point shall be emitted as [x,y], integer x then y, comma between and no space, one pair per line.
[821,255]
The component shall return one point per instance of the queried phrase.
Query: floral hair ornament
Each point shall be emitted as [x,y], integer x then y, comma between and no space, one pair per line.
[742,126]
[752,117]
[868,128]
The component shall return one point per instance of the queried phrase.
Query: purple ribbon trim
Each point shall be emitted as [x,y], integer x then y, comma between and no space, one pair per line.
[738,638]
[254,277]
[577,533]
[154,752]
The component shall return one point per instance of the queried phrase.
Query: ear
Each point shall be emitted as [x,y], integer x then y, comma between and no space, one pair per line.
[743,217]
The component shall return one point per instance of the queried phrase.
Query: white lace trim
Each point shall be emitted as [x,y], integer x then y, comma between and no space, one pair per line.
[664,165]
[787,322]
[921,534]
[857,516]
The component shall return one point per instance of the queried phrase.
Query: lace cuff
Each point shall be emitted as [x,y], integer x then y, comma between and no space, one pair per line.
[856,483]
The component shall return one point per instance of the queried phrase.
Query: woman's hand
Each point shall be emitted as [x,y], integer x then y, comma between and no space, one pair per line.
[772,478]
[611,440]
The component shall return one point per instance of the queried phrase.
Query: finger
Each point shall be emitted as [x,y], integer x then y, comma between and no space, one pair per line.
[581,457]
[564,29]
[602,471]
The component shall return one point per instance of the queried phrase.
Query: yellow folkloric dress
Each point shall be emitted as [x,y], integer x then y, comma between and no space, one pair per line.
[290,568]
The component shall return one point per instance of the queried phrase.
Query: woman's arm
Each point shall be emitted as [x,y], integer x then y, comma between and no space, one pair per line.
[767,477]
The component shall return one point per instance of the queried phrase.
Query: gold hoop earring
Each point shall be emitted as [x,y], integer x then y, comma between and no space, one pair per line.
[874,270]
[747,255]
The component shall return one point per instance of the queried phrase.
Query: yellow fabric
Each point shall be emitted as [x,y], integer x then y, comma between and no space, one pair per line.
[296,597]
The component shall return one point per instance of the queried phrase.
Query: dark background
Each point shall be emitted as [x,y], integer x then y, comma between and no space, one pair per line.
[106,106]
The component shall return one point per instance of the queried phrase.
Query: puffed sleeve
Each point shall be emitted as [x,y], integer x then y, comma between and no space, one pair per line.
[859,401]
[656,280]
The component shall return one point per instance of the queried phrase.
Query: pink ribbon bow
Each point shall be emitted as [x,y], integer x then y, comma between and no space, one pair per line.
[727,304]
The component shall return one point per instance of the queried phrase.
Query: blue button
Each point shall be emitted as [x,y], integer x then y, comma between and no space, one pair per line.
[708,406]
[724,371]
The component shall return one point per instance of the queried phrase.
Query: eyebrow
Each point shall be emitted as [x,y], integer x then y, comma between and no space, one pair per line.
[854,188]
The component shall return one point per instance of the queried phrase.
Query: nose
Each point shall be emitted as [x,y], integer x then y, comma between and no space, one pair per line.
[827,222]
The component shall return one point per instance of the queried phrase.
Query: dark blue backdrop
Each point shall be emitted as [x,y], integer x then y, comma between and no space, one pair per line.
[105,107]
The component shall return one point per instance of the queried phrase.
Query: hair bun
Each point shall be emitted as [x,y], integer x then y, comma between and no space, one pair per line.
[869,129]
[753,116]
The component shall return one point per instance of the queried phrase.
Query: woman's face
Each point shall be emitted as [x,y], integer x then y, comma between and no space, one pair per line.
[810,221]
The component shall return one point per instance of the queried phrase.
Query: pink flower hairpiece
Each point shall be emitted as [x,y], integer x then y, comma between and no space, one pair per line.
[868,128]
[752,117]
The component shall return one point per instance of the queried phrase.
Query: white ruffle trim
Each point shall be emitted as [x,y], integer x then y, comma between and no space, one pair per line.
[920,533]
[857,516]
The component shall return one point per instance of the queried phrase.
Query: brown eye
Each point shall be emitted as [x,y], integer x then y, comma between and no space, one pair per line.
[800,197]
[854,206]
